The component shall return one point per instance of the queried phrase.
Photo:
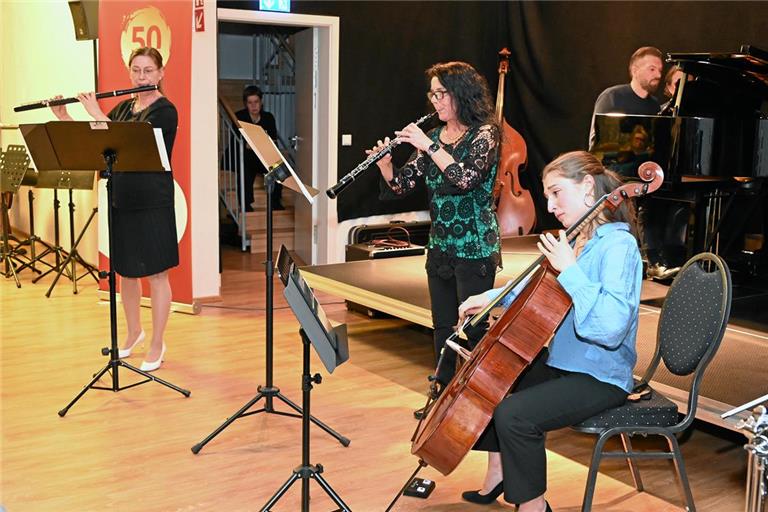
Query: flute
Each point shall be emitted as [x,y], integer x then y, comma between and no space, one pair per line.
[99,95]
[344,182]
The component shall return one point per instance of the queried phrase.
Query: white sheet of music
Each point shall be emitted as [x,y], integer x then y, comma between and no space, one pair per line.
[161,148]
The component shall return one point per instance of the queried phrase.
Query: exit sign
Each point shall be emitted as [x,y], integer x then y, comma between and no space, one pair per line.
[275,5]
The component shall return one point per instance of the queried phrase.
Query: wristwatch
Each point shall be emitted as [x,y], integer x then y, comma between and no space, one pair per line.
[433,148]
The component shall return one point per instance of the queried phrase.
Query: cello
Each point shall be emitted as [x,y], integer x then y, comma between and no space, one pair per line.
[464,409]
[515,211]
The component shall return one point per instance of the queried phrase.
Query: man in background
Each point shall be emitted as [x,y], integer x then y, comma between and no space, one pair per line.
[253,113]
[664,223]
[636,97]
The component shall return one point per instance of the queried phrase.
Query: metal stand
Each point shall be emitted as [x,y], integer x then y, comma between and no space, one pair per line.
[13,166]
[269,392]
[33,239]
[113,352]
[55,249]
[70,264]
[9,254]
[306,471]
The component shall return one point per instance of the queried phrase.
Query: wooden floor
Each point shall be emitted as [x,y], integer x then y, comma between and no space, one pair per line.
[130,451]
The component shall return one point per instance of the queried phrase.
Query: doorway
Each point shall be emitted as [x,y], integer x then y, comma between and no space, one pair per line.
[315,42]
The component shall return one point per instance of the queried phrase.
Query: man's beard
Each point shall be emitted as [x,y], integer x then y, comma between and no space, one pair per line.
[652,86]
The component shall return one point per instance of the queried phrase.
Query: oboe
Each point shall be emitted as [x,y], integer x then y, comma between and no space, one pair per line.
[372,159]
[99,95]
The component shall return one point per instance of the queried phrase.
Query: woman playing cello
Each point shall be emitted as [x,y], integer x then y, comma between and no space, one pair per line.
[588,366]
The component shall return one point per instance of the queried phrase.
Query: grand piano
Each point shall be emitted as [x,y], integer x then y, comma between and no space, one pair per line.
[711,139]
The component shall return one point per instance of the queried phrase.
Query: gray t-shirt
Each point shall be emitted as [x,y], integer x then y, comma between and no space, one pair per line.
[621,99]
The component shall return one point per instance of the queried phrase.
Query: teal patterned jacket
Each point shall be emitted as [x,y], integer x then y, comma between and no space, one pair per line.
[461,198]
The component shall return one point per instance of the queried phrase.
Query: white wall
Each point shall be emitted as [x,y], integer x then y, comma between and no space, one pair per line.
[40,58]
[206,280]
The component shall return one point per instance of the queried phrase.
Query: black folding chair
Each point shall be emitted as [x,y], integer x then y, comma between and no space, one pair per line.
[691,325]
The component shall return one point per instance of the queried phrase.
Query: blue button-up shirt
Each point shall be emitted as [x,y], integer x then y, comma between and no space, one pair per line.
[598,334]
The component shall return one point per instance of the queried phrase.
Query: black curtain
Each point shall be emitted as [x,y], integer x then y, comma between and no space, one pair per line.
[563,55]
[385,49]
[566,53]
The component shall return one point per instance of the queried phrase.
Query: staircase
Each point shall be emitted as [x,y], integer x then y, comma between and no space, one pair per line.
[256,221]
[272,69]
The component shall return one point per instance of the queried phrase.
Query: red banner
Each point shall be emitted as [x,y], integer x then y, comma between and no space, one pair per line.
[166,26]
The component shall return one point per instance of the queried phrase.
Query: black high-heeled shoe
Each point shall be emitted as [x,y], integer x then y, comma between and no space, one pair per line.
[483,499]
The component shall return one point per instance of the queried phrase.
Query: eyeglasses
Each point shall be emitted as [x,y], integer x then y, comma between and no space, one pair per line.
[146,71]
[436,95]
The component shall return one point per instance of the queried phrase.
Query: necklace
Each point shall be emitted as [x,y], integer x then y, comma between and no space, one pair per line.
[137,107]
[455,140]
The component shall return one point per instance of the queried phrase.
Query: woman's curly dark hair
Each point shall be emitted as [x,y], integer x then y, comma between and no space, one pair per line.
[469,91]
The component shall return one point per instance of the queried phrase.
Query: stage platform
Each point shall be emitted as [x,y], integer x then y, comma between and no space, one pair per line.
[398,286]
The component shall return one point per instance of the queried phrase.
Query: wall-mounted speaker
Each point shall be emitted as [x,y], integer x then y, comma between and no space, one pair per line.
[85,17]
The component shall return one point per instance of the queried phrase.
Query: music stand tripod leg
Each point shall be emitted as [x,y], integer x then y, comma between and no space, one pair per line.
[72,259]
[56,249]
[10,269]
[269,392]
[75,242]
[306,471]
[115,362]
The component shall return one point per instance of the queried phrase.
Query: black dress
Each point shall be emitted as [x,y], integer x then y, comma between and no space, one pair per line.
[143,218]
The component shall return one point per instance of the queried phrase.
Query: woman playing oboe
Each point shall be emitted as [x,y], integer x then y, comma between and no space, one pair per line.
[457,160]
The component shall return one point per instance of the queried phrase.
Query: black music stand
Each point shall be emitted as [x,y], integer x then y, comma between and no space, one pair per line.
[56,249]
[122,147]
[70,180]
[279,172]
[30,180]
[330,343]
[13,165]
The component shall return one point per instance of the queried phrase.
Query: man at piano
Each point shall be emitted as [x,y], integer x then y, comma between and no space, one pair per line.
[636,97]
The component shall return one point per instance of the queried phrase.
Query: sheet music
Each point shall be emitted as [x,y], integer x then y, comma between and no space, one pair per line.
[161,148]
[270,155]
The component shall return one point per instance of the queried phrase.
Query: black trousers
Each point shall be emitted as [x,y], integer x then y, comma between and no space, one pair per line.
[451,281]
[250,178]
[543,399]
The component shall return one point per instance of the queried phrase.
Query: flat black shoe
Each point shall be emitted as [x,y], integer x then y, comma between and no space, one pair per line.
[484,499]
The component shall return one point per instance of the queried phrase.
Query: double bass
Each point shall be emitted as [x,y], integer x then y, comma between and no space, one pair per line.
[464,409]
[515,211]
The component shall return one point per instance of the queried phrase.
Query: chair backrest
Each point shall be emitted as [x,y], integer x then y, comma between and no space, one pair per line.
[693,321]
